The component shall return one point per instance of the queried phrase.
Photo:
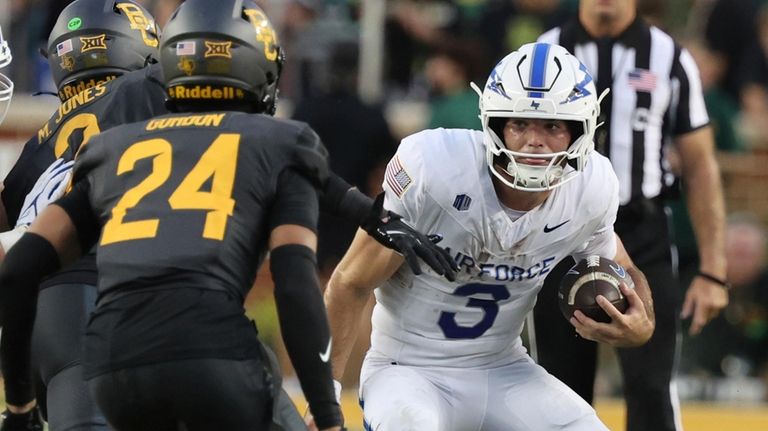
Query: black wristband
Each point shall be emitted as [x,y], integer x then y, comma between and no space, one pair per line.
[722,282]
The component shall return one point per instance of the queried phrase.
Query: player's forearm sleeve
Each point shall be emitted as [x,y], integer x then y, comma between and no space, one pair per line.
[341,199]
[305,329]
[15,357]
[31,259]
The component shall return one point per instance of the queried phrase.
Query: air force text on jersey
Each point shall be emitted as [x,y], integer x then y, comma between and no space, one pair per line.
[506,272]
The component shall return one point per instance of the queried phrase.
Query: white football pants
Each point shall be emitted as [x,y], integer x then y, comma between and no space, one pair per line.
[521,396]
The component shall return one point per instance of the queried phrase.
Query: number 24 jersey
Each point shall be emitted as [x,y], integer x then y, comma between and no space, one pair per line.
[184,199]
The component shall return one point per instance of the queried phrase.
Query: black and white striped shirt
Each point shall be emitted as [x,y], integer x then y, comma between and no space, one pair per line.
[655,95]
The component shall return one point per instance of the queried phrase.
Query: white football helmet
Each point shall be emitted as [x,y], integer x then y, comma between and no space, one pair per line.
[539,81]
[6,85]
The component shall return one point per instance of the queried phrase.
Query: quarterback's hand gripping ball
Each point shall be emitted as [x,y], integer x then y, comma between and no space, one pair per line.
[586,280]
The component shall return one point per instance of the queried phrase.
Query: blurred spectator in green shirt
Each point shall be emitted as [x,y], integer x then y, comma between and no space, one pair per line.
[453,103]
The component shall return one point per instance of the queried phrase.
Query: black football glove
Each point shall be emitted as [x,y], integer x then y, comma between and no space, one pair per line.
[392,232]
[29,421]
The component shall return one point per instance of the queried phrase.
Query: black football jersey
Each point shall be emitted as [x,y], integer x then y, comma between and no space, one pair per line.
[133,97]
[184,199]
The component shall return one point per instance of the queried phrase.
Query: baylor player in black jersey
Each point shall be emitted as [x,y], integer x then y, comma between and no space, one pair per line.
[385,227]
[93,99]
[92,43]
[186,222]
[189,206]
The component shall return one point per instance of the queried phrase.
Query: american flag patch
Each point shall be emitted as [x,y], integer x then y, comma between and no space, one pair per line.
[396,177]
[185,48]
[642,80]
[64,47]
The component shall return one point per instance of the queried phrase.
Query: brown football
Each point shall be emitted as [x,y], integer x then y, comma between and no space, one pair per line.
[593,276]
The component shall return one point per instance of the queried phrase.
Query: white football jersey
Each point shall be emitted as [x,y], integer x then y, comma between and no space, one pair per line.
[440,183]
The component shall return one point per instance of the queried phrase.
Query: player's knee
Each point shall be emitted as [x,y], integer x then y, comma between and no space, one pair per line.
[589,422]
[406,418]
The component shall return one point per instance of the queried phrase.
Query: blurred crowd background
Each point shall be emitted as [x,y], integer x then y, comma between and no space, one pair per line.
[364,73]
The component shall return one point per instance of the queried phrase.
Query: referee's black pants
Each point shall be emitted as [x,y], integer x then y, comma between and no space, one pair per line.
[648,370]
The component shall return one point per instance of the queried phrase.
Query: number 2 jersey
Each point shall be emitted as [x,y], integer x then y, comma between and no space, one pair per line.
[185,204]
[133,97]
[440,182]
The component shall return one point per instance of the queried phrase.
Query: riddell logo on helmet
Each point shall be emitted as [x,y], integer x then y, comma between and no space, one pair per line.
[70,90]
[205,92]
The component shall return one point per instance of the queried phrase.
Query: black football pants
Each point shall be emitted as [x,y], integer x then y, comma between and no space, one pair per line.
[57,343]
[647,370]
[193,395]
[57,340]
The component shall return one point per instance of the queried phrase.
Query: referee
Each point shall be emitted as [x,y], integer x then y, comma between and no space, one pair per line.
[655,99]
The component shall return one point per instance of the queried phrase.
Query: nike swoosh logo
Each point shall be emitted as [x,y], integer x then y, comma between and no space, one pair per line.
[619,270]
[325,356]
[548,229]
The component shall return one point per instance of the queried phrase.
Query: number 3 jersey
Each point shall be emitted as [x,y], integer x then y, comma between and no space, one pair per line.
[440,182]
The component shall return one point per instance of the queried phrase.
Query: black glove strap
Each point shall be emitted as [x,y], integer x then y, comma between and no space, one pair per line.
[376,215]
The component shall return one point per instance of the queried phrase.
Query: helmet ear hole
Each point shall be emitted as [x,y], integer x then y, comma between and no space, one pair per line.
[576,129]
[496,124]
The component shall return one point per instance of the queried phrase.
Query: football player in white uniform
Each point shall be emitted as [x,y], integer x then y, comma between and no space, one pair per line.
[6,84]
[511,201]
